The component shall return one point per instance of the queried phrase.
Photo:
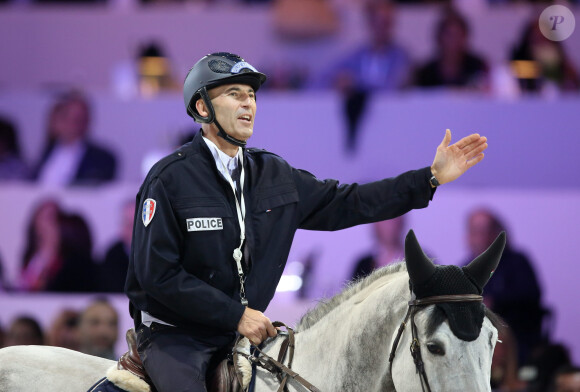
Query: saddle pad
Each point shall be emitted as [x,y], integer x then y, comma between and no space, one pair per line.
[104,385]
[120,381]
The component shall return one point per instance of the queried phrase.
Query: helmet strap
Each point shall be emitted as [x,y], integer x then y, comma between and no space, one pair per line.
[228,138]
[211,112]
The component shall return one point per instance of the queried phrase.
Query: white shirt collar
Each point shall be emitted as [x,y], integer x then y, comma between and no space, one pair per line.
[231,162]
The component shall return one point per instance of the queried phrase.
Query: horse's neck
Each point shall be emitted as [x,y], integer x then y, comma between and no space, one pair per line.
[349,346]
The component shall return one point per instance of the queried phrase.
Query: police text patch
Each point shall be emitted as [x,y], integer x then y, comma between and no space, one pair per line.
[204,224]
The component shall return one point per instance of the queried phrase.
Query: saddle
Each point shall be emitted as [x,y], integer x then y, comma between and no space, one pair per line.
[223,379]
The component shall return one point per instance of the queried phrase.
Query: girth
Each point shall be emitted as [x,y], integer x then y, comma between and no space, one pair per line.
[415,344]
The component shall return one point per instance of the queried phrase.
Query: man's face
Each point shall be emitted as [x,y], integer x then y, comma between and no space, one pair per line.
[235,109]
[71,122]
[453,39]
[98,328]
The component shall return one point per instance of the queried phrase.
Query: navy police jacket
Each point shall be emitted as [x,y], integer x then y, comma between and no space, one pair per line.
[186,275]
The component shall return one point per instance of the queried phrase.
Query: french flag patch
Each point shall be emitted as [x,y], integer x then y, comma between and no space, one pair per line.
[149,206]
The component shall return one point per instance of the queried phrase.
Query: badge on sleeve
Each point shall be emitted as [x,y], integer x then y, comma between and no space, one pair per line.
[149,206]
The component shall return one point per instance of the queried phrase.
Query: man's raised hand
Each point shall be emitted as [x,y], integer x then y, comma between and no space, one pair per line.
[451,161]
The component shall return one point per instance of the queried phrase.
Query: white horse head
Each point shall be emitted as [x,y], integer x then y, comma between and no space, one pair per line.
[459,336]
[451,364]
[345,343]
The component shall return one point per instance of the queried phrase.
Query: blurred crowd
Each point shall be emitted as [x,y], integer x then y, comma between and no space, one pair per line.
[382,64]
[537,66]
[93,330]
[58,253]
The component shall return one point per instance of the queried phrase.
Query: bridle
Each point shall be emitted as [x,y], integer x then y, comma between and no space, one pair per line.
[415,345]
[276,367]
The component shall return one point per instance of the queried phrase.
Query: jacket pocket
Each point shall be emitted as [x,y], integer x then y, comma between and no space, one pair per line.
[201,207]
[269,198]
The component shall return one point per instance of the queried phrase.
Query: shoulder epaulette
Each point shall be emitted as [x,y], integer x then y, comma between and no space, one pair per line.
[254,150]
[162,164]
[257,150]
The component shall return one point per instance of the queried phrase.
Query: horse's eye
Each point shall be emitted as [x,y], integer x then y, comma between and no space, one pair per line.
[435,348]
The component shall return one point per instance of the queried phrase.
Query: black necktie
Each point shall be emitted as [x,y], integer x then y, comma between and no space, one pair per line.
[236,178]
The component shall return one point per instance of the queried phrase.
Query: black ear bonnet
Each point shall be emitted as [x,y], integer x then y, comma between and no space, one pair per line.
[427,280]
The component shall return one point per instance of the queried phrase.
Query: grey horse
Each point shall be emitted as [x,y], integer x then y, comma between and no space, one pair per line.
[343,344]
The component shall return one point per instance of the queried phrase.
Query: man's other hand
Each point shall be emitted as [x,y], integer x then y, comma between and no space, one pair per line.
[451,161]
[255,326]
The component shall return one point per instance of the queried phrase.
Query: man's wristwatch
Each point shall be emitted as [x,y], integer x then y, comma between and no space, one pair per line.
[433,181]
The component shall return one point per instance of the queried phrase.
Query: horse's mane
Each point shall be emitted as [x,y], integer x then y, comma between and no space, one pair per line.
[356,286]
[325,306]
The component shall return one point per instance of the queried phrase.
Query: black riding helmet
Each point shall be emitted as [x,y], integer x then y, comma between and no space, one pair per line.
[212,71]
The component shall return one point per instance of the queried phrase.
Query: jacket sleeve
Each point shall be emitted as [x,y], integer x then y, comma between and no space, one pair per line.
[326,205]
[159,270]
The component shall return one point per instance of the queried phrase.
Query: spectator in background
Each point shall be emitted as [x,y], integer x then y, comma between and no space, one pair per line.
[567,379]
[389,247]
[63,331]
[454,64]
[514,292]
[12,166]
[378,65]
[99,329]
[24,330]
[69,157]
[58,252]
[303,20]
[154,70]
[539,63]
[112,272]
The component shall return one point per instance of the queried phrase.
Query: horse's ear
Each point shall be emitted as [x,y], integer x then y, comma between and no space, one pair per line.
[419,267]
[483,266]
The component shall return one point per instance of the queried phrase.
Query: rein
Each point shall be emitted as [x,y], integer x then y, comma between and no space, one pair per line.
[276,367]
[415,344]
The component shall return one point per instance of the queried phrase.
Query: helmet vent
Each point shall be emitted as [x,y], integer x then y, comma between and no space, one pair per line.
[219,66]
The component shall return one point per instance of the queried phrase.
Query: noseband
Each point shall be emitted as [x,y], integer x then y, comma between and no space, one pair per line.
[415,345]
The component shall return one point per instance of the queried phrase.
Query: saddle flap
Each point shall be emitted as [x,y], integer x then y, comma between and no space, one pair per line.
[131,362]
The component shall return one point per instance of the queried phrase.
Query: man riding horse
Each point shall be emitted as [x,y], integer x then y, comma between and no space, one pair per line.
[215,221]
